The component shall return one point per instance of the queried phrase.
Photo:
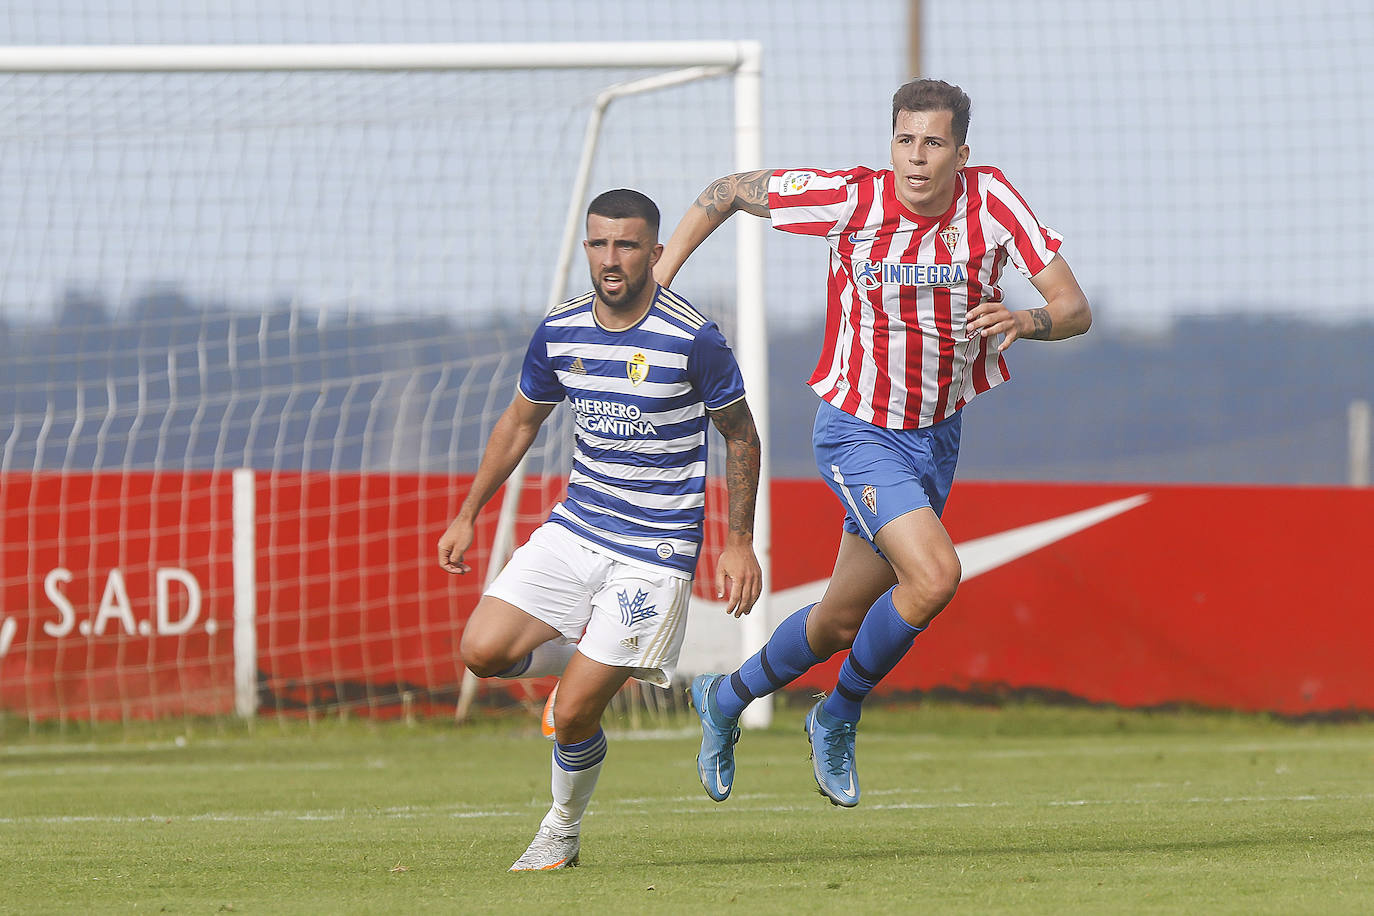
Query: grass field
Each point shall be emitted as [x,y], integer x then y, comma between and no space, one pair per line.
[1023,809]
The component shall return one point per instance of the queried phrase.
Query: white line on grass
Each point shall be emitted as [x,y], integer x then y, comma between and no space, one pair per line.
[177,767]
[412,812]
[1071,748]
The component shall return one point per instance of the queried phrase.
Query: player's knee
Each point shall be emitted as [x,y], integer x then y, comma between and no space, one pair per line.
[831,629]
[944,581]
[574,721]
[483,657]
[838,637]
[925,593]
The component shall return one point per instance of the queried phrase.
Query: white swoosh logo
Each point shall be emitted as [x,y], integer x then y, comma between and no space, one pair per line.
[850,790]
[983,554]
[979,555]
[721,787]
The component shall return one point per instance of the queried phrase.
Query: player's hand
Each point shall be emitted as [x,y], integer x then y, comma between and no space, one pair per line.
[988,318]
[454,543]
[739,569]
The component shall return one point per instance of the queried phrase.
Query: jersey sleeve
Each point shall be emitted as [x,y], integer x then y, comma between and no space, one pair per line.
[712,369]
[1029,244]
[538,381]
[811,201]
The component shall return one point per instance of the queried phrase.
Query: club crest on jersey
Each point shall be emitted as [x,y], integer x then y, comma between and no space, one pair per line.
[950,235]
[870,498]
[632,610]
[794,183]
[873,274]
[637,368]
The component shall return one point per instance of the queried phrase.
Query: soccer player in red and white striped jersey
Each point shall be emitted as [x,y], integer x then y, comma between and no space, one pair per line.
[916,326]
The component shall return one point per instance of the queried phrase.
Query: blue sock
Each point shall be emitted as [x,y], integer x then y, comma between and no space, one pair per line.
[786,657]
[517,669]
[883,638]
[582,755]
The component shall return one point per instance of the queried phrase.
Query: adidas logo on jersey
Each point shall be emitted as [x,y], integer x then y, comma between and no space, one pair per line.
[632,643]
[576,366]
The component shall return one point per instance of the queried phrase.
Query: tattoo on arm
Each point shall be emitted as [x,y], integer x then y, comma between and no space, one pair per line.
[742,457]
[746,191]
[1043,324]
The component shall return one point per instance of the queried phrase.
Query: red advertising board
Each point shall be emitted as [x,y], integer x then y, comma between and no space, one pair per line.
[117,593]
[1249,598]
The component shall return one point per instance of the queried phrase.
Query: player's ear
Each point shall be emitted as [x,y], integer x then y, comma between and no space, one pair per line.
[655,254]
[963,155]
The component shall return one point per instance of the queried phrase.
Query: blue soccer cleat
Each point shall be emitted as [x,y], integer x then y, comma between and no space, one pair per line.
[832,756]
[716,760]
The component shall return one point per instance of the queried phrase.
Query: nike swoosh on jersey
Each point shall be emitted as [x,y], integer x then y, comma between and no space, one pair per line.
[855,238]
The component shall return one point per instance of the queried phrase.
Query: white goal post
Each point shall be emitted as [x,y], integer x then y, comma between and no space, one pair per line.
[674,63]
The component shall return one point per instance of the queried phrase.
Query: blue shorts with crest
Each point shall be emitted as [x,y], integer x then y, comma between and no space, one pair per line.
[880,474]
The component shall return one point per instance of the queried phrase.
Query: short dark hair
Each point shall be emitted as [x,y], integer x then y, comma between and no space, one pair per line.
[625,203]
[934,95]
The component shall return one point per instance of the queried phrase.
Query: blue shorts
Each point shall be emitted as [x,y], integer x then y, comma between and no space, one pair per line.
[880,474]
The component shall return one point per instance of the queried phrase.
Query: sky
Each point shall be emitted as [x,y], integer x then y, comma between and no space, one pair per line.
[1199,156]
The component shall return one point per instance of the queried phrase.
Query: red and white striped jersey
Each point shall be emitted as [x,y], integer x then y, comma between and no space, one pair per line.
[896,351]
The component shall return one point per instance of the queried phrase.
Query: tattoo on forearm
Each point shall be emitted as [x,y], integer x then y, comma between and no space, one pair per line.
[742,458]
[1043,324]
[741,191]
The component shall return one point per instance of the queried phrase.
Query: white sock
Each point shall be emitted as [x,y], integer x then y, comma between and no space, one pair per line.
[549,658]
[575,770]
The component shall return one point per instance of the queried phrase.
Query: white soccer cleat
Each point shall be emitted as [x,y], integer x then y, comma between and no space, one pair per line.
[549,851]
[546,721]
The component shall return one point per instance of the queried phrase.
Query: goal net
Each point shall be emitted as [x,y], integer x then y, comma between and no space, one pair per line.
[260,308]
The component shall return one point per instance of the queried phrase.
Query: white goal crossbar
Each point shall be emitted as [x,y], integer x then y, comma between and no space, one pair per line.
[683,61]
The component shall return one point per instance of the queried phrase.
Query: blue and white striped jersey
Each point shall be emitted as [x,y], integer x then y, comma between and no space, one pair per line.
[640,396]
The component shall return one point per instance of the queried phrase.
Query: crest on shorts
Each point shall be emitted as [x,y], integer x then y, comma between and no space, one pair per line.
[632,610]
[637,368]
[870,498]
[951,235]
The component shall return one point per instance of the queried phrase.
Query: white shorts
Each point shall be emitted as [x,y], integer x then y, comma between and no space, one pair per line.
[620,614]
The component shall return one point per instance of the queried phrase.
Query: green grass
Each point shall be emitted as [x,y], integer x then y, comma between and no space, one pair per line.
[1025,809]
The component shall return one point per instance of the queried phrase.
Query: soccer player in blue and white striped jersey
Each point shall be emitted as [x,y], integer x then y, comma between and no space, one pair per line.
[599,593]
